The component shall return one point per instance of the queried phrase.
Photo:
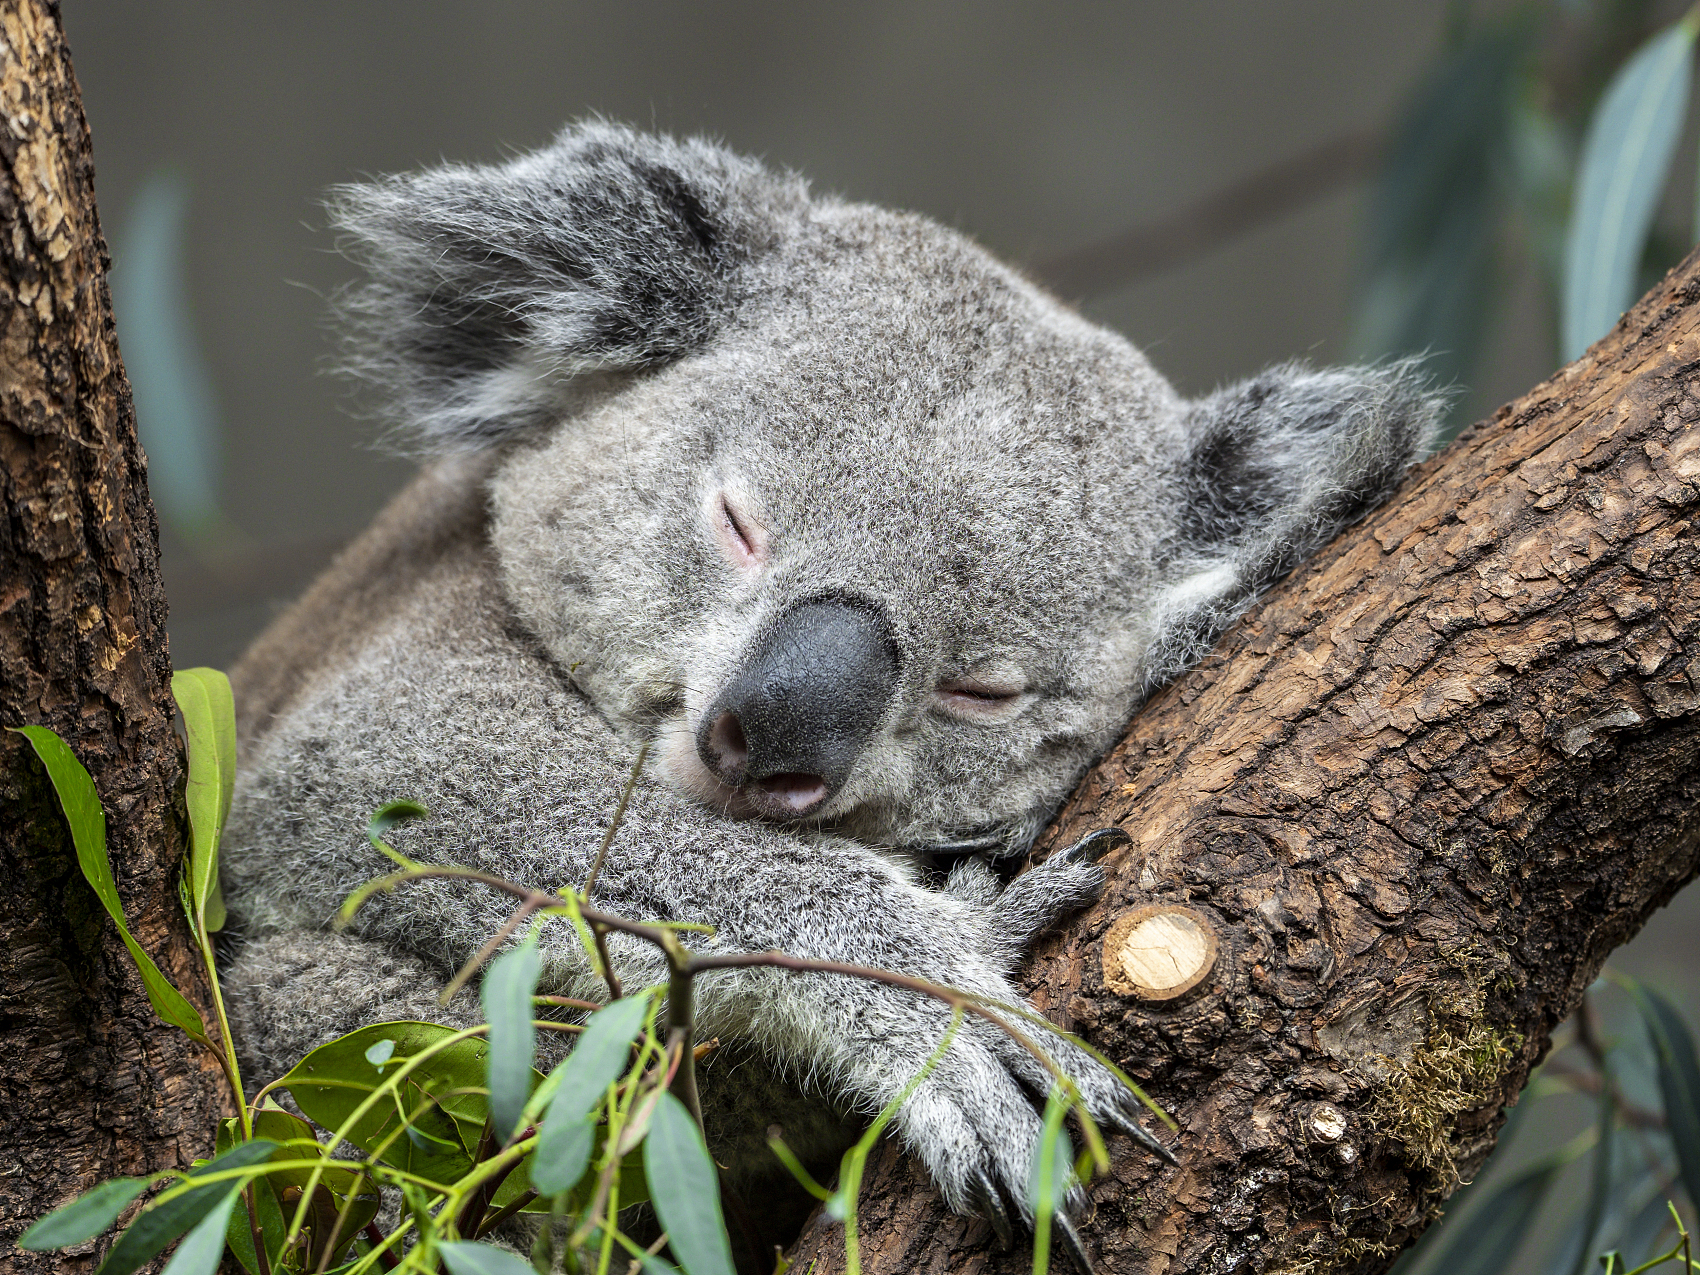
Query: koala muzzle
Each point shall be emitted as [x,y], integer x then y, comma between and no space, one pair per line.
[788,727]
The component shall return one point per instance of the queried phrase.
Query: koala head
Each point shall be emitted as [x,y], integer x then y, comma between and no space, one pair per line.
[860,526]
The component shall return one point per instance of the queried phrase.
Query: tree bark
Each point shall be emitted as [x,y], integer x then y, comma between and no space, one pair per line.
[1416,797]
[92,1084]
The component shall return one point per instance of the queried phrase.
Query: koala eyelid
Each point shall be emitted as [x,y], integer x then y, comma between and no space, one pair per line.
[744,543]
[972,698]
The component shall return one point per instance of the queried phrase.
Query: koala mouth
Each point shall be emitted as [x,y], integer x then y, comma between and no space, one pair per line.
[782,795]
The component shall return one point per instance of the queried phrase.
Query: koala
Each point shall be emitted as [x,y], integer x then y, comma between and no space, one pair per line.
[871,543]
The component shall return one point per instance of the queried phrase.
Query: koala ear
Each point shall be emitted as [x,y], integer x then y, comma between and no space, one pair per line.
[1276,466]
[488,287]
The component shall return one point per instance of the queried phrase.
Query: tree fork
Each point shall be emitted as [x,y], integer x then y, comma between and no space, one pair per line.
[1398,819]
[92,1083]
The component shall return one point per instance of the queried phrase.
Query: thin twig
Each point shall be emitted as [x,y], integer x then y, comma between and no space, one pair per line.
[486,952]
[614,823]
[1220,217]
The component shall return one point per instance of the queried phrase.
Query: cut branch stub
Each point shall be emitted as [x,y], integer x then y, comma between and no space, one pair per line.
[1158,953]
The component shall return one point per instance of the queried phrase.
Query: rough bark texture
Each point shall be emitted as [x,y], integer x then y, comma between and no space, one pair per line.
[92,1084]
[1419,795]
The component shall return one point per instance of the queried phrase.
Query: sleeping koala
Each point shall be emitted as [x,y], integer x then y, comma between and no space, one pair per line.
[875,543]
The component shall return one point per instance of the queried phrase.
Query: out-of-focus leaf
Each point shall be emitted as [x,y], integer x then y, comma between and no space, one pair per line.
[509,985]
[469,1258]
[1625,160]
[159,1224]
[209,718]
[1679,1080]
[685,1190]
[388,816]
[599,1058]
[201,1249]
[81,805]
[1436,209]
[1604,1178]
[174,401]
[1486,1238]
[84,1217]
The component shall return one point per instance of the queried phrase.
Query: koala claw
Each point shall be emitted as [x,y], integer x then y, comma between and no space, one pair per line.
[988,1202]
[1068,1239]
[1124,1123]
[1095,845]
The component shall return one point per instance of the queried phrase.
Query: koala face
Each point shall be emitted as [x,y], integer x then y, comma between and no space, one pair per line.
[857,561]
[861,527]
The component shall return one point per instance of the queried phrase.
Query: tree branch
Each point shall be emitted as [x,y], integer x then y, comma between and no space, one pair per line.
[1415,798]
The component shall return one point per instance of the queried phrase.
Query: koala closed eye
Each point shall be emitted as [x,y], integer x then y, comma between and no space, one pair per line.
[741,539]
[986,700]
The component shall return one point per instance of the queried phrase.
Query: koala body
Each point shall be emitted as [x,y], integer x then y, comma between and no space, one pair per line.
[875,543]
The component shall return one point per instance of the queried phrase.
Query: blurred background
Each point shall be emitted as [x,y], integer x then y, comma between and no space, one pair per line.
[1228,183]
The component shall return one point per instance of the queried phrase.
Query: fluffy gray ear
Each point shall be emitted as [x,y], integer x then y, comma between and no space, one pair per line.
[488,287]
[1276,467]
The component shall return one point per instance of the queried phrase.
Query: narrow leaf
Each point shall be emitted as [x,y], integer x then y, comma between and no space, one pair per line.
[200,1251]
[685,1191]
[84,1217]
[81,805]
[1679,1080]
[1488,1237]
[209,719]
[1625,159]
[562,1154]
[509,985]
[158,1225]
[468,1258]
[599,1058]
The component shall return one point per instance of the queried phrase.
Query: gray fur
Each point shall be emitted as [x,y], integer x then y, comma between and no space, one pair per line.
[622,329]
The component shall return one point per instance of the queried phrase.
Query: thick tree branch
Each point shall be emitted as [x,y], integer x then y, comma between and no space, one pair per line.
[1416,798]
[92,1084]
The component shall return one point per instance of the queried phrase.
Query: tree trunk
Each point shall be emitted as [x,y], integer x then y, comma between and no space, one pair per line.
[92,1084]
[1383,839]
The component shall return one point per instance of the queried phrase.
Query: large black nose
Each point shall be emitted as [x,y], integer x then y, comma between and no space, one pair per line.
[790,724]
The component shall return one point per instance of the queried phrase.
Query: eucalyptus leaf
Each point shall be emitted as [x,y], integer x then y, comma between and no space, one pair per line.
[160,1224]
[1489,1235]
[1625,160]
[1436,208]
[84,1217]
[466,1257]
[201,1249]
[81,806]
[685,1190]
[209,718]
[429,1124]
[297,1142]
[562,1154]
[1679,1080]
[509,984]
[600,1056]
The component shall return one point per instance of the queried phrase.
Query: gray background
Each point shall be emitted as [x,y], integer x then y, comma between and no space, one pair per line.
[1036,128]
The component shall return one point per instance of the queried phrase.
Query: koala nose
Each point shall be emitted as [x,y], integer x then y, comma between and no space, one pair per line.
[790,724]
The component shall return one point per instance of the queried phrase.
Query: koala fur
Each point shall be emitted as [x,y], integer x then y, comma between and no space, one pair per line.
[874,541]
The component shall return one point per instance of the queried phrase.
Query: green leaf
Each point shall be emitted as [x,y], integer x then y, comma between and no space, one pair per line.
[600,1057]
[685,1191]
[1626,156]
[1436,209]
[81,805]
[388,816]
[1488,1237]
[562,1154]
[509,985]
[201,1250]
[84,1217]
[239,1236]
[1679,1080]
[468,1258]
[209,718]
[159,1224]
[329,1083]
[297,1142]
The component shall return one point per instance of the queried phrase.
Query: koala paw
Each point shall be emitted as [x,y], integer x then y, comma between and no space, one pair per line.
[975,1121]
[1040,897]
